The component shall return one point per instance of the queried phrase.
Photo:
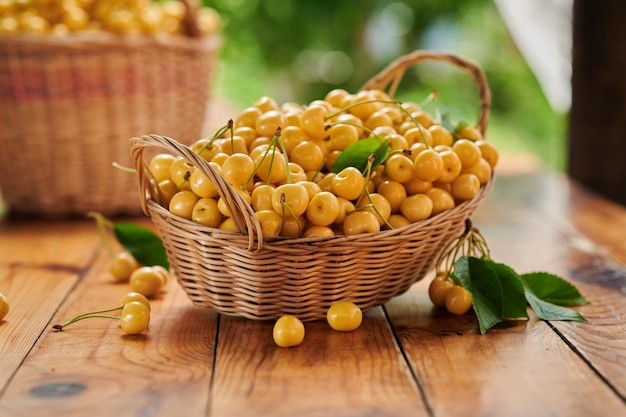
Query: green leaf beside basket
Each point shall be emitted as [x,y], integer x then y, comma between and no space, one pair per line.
[145,246]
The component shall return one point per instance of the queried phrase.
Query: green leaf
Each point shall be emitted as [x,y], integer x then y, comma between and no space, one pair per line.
[145,246]
[357,154]
[549,311]
[514,299]
[483,283]
[553,289]
[460,125]
[446,121]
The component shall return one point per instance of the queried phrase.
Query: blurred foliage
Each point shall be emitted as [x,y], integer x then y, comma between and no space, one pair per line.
[298,50]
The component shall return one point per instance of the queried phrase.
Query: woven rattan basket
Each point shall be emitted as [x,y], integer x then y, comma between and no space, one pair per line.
[246,275]
[70,103]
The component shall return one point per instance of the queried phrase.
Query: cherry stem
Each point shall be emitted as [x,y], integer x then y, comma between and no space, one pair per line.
[283,202]
[346,122]
[417,124]
[470,243]
[186,177]
[405,152]
[220,132]
[271,146]
[283,149]
[367,175]
[366,193]
[318,170]
[122,168]
[372,205]
[358,103]
[436,103]
[277,138]
[232,142]
[430,97]
[92,314]
[104,226]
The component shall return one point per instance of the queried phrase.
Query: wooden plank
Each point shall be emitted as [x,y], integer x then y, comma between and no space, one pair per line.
[526,369]
[165,371]
[34,295]
[360,373]
[601,221]
[530,368]
[573,206]
[40,262]
[560,233]
[523,369]
[54,245]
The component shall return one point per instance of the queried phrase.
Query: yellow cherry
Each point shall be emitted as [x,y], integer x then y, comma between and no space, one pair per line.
[207,213]
[348,183]
[290,199]
[323,209]
[417,207]
[360,221]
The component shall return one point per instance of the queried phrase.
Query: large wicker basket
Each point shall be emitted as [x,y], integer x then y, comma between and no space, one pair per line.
[70,103]
[246,275]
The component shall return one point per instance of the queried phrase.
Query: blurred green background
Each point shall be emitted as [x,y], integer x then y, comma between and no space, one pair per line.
[298,50]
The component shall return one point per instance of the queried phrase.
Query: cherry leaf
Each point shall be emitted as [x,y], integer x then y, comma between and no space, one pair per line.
[484,285]
[514,299]
[553,289]
[141,242]
[549,311]
[357,154]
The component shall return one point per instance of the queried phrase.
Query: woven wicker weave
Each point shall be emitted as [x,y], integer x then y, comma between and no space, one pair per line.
[70,103]
[247,275]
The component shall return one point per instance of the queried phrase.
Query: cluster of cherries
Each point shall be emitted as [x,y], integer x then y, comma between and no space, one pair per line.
[280,159]
[134,314]
[446,290]
[118,16]
[146,282]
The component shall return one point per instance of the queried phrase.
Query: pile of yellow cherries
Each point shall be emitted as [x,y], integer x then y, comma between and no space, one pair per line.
[281,160]
[116,16]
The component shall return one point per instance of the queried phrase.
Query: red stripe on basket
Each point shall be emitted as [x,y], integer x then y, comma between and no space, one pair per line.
[88,82]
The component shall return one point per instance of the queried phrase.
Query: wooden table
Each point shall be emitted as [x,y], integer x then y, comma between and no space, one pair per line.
[407,359]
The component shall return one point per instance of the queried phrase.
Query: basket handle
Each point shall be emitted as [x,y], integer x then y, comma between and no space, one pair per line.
[190,20]
[241,212]
[389,78]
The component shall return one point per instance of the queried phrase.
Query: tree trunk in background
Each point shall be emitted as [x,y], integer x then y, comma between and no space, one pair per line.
[597,136]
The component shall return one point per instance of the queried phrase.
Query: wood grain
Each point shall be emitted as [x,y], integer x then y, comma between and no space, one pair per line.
[331,373]
[39,265]
[407,359]
[519,369]
[575,208]
[53,245]
[161,372]
[563,234]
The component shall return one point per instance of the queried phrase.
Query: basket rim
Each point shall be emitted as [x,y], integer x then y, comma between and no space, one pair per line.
[153,207]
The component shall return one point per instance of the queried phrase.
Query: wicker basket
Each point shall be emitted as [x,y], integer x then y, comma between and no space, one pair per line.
[247,275]
[70,103]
